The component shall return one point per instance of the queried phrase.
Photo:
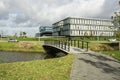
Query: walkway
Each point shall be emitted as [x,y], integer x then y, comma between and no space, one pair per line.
[95,66]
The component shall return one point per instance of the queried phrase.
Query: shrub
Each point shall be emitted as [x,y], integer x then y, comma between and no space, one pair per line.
[100,47]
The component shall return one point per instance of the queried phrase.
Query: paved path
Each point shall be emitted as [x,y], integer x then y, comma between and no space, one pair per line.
[95,66]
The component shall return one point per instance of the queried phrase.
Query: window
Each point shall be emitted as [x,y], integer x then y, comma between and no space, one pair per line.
[84,21]
[79,32]
[82,32]
[74,21]
[70,32]
[90,21]
[77,21]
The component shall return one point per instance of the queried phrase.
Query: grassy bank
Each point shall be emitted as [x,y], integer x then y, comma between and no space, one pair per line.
[50,69]
[21,46]
[105,49]
[114,54]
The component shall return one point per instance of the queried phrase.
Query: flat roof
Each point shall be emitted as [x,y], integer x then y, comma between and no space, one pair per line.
[82,18]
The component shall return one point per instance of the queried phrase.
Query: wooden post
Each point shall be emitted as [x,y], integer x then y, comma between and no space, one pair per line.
[56,43]
[74,43]
[65,45]
[87,46]
[69,45]
[51,42]
[71,42]
[59,44]
[82,44]
[78,44]
[119,45]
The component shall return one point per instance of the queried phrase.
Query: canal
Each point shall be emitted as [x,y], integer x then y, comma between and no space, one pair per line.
[8,57]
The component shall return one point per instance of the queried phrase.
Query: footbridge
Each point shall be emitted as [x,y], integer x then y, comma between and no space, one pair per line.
[68,46]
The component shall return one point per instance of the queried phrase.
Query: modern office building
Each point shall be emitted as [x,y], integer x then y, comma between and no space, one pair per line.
[83,27]
[45,30]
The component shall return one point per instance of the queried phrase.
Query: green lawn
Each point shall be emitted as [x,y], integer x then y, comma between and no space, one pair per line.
[50,69]
[27,39]
[21,39]
[105,49]
[21,46]
[114,54]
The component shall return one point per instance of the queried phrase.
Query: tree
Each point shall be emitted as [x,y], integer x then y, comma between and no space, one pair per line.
[85,34]
[0,36]
[24,34]
[116,22]
[117,33]
[116,19]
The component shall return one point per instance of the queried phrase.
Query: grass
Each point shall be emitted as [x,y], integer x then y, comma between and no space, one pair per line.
[114,54]
[21,46]
[50,69]
[27,39]
[105,49]
[21,39]
[2,60]
[35,39]
[94,38]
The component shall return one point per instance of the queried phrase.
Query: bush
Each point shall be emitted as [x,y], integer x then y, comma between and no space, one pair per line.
[100,47]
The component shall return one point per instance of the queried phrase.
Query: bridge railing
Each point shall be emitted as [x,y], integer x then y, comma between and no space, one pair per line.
[60,44]
[67,44]
[79,44]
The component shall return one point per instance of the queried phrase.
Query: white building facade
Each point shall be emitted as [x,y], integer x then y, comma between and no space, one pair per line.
[83,27]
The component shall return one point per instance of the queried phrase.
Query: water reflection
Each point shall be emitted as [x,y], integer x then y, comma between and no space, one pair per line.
[20,56]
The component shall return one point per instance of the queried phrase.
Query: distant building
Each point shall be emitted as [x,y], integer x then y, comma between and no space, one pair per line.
[37,35]
[45,31]
[83,27]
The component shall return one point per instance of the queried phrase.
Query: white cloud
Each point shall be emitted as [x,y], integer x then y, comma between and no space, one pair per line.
[32,13]
[13,30]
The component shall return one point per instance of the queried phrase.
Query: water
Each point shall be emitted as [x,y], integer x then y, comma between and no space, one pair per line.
[7,57]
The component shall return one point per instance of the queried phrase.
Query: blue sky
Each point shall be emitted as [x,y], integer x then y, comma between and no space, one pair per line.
[28,15]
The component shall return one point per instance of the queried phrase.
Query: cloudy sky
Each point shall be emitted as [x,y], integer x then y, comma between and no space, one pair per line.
[28,15]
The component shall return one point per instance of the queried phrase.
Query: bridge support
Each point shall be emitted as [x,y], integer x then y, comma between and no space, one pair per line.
[54,51]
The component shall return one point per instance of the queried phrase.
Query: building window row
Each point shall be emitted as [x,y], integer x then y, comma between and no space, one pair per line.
[90,21]
[84,27]
[90,33]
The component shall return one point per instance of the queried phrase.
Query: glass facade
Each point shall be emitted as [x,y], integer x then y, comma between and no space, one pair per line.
[83,27]
[45,31]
